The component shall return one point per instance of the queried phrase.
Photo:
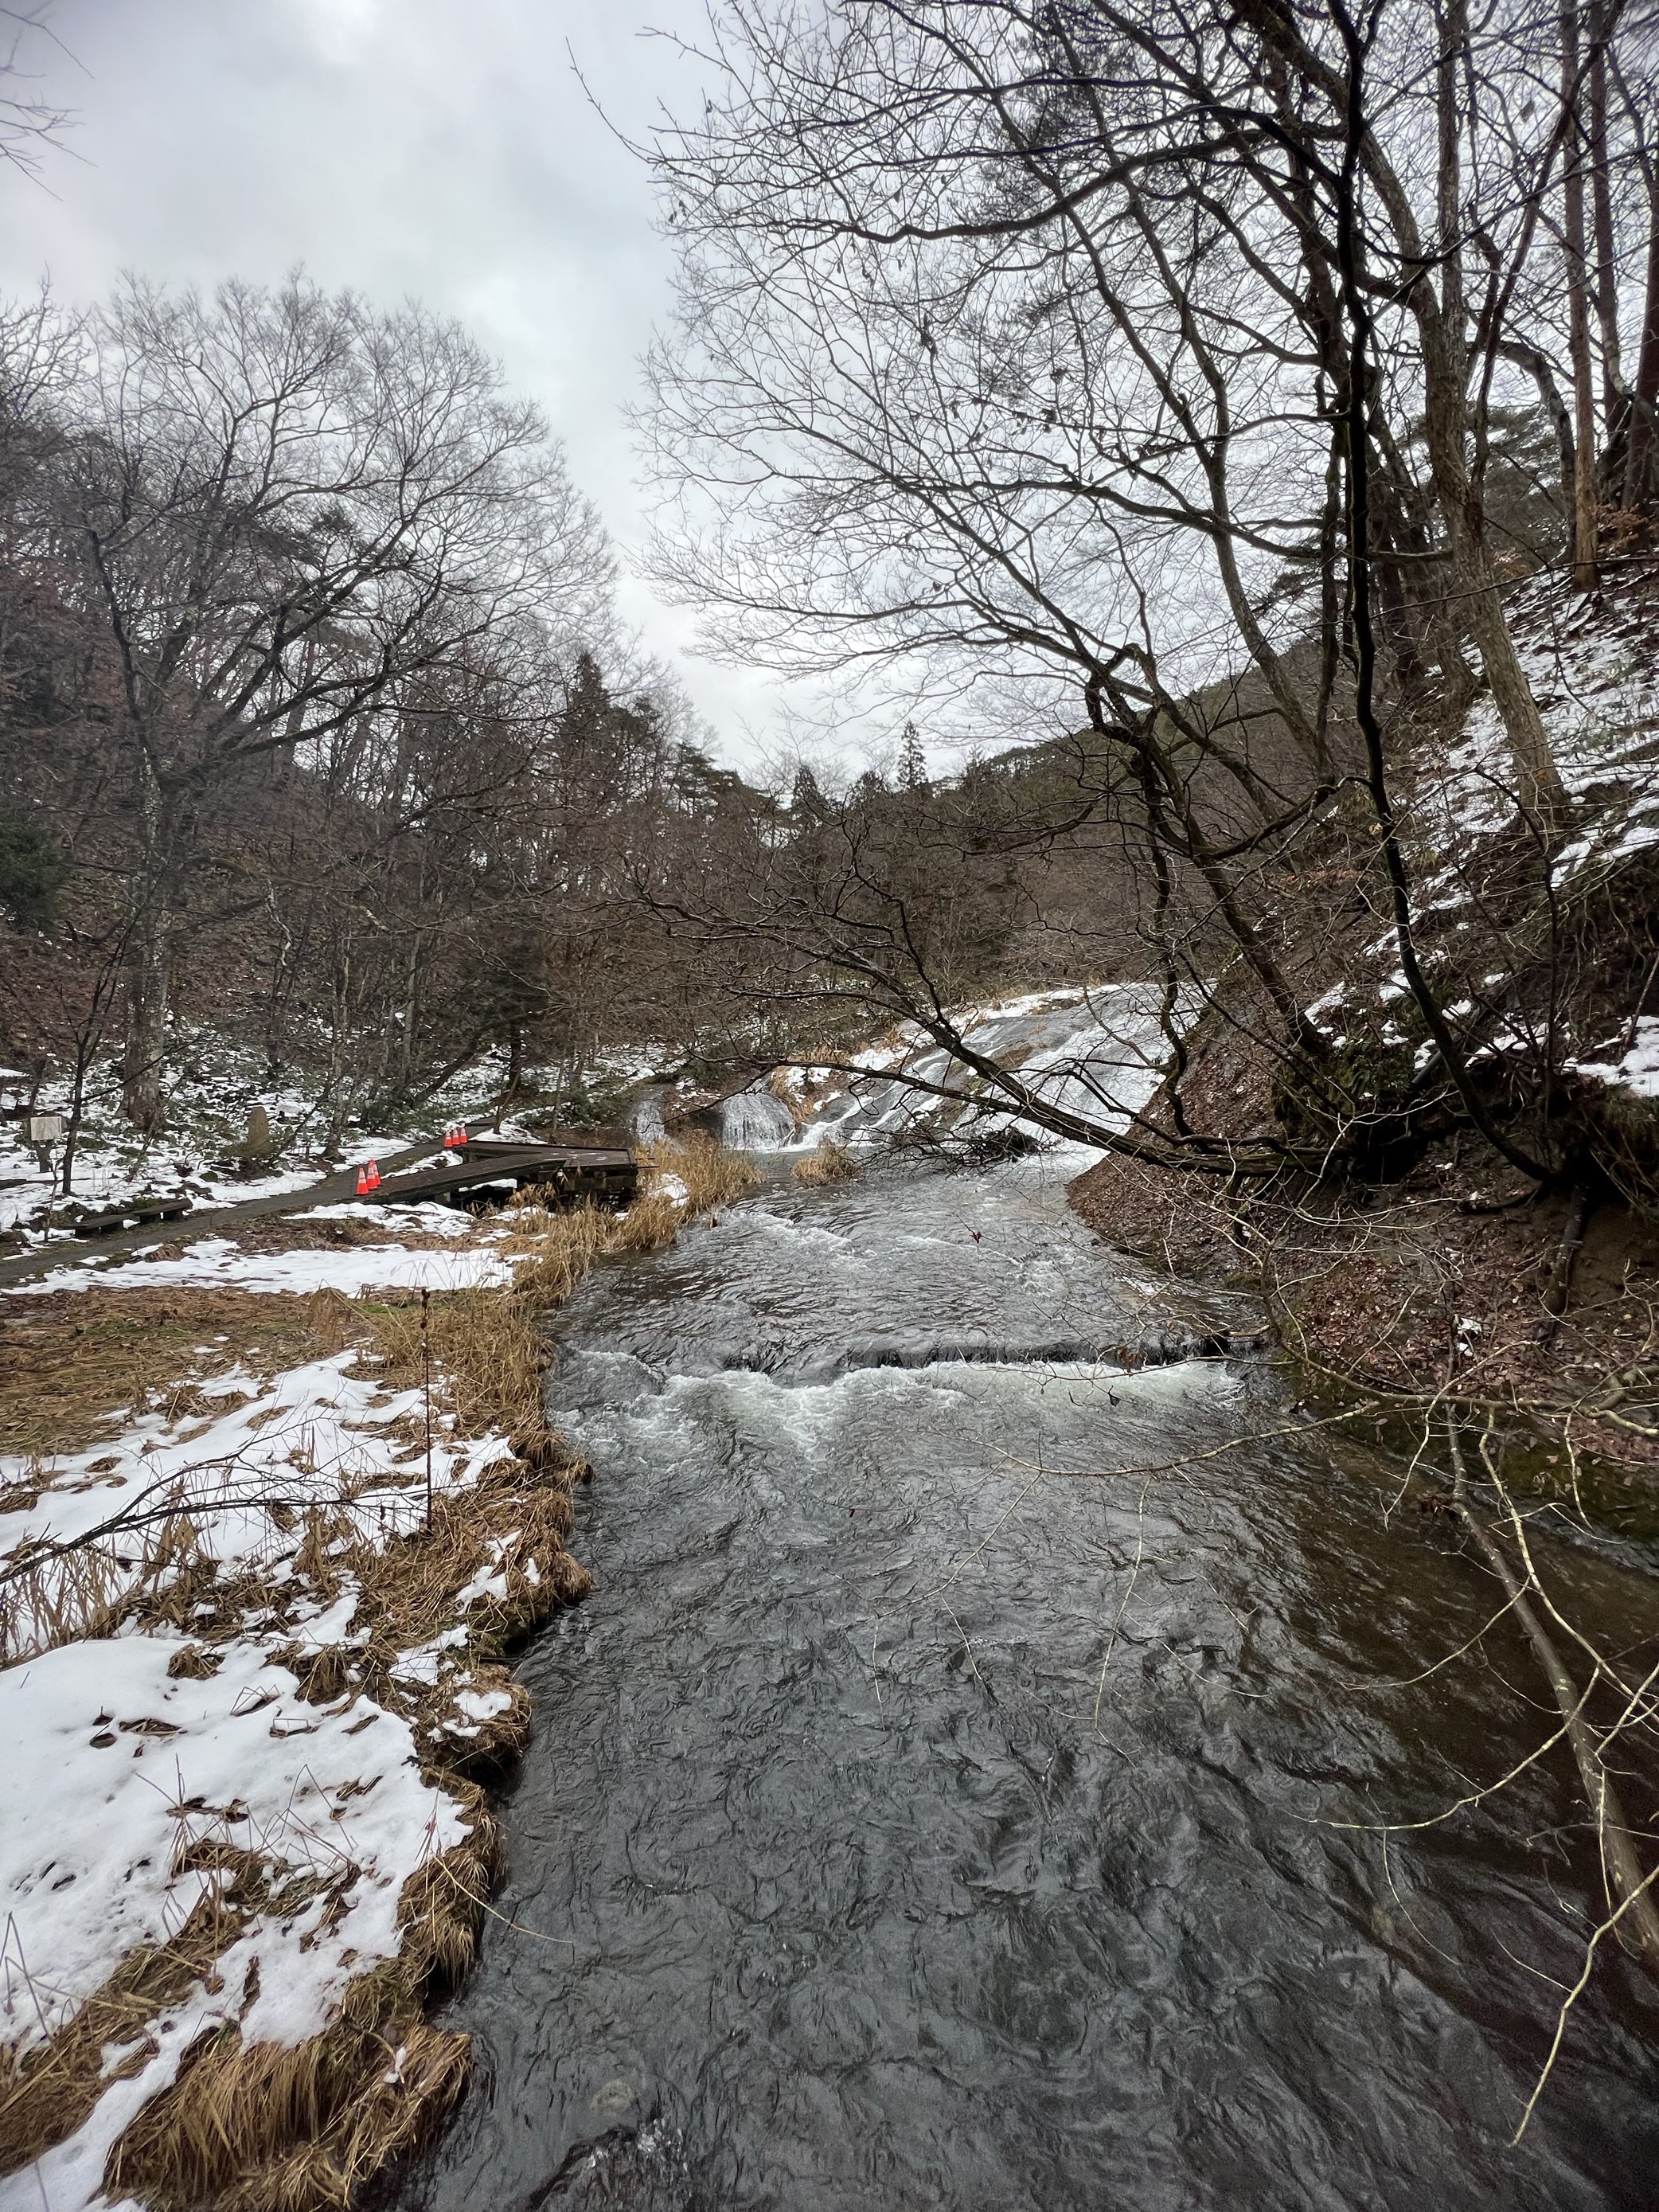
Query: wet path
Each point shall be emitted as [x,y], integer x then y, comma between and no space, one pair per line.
[926,1812]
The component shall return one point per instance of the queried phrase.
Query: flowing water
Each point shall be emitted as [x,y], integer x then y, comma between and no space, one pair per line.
[755,1122]
[963,1787]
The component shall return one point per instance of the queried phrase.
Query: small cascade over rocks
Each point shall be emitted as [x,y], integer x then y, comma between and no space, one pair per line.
[1139,1346]
[755,1122]
[643,1120]
[1099,1053]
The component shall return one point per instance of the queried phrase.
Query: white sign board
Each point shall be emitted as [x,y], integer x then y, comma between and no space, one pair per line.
[46,1129]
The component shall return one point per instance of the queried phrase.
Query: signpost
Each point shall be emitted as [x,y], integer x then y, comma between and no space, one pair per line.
[44,1131]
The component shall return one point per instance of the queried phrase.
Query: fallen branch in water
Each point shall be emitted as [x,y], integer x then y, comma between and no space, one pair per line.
[1621,1867]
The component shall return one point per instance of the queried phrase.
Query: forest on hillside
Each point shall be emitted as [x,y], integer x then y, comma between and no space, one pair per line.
[1224,425]
[1260,399]
[318,731]
[319,734]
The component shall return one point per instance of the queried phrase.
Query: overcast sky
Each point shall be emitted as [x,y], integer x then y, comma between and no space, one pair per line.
[442,150]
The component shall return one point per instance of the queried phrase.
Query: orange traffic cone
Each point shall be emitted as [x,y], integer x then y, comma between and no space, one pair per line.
[455,1137]
[368,1178]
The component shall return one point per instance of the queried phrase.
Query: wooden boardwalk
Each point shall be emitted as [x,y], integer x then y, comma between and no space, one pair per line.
[328,1190]
[606,1175]
[134,1215]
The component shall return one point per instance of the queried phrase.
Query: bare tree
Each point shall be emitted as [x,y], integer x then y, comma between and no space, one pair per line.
[283,510]
[30,125]
[1079,361]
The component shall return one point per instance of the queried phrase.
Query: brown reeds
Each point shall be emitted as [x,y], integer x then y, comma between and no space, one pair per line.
[51,2091]
[278,2128]
[551,1251]
[269,2129]
[830,1162]
[486,1352]
[785,1087]
[712,1176]
[264,2127]
[60,1598]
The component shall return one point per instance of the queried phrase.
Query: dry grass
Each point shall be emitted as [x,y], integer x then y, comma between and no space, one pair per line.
[288,2129]
[60,1599]
[394,1225]
[650,1224]
[829,1163]
[51,2092]
[272,2129]
[77,1365]
[264,2126]
[156,1575]
[798,1097]
[712,1176]
[296,2128]
[551,1251]
[487,1356]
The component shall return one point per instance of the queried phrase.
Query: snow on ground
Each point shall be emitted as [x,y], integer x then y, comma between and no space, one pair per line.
[1593,671]
[106,1178]
[1595,674]
[127,1787]
[114,1768]
[432,1219]
[1636,1070]
[118,1770]
[220,1262]
[212,1086]
[130,1791]
[313,1435]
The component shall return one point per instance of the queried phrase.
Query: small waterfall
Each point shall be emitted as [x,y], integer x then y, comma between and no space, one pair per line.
[1099,1054]
[755,1122]
[643,1119]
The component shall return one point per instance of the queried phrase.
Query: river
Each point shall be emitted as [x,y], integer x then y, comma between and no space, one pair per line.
[963,1787]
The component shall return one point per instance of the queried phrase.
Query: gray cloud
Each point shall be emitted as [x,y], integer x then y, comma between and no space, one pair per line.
[417,148]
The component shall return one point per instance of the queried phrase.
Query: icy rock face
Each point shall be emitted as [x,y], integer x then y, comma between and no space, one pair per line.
[755,1122]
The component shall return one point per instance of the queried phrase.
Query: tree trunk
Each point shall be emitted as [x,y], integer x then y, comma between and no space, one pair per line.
[163,820]
[1639,473]
[149,962]
[1537,366]
[1540,791]
[1458,489]
[1584,573]
[77,1114]
[1615,405]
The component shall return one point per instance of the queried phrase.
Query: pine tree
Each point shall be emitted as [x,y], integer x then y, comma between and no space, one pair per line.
[913,761]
